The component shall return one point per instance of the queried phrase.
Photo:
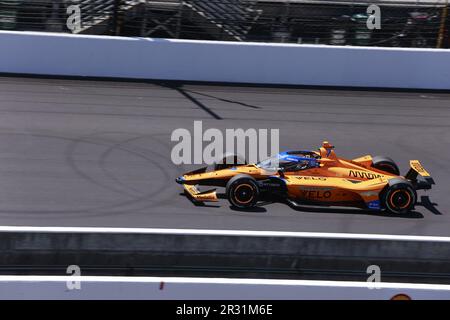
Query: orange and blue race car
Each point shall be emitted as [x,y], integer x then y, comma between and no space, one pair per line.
[312,177]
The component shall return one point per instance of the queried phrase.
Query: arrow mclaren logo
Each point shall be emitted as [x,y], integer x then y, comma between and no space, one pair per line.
[363,175]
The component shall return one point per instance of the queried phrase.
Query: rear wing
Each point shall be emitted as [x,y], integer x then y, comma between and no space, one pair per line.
[417,170]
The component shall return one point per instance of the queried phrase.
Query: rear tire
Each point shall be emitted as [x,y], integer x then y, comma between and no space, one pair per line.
[385,164]
[242,191]
[399,198]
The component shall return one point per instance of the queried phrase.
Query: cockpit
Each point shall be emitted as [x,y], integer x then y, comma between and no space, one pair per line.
[290,161]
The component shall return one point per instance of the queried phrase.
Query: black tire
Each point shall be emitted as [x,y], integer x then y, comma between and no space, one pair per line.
[399,198]
[385,164]
[229,161]
[242,191]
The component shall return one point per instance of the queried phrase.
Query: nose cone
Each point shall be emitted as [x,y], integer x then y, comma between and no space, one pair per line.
[179,180]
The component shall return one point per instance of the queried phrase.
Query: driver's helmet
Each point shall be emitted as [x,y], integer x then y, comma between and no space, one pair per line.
[303,165]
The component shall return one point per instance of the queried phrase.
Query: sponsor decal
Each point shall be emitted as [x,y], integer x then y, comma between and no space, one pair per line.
[316,194]
[270,184]
[363,174]
[315,189]
[417,166]
[374,205]
[312,178]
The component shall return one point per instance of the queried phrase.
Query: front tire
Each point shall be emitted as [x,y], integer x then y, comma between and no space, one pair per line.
[242,191]
[399,198]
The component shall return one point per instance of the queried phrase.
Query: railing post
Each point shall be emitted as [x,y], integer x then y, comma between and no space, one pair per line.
[444,15]
[117,21]
[144,20]
[179,19]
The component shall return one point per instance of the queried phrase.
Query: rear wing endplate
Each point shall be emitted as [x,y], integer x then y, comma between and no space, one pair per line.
[416,170]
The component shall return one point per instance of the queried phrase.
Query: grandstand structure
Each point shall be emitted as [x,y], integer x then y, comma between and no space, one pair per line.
[404,23]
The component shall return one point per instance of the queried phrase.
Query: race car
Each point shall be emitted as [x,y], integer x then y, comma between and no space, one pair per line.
[312,177]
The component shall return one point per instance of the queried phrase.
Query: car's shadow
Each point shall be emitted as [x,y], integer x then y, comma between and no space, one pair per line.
[425,202]
[257,209]
[200,204]
[336,210]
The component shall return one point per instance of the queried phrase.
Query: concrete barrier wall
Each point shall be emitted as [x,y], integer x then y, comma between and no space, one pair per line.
[264,255]
[162,59]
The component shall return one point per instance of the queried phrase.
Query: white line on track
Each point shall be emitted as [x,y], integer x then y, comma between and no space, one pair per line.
[248,233]
[239,281]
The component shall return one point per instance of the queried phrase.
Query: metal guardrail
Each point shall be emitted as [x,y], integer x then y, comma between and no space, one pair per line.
[234,17]
[333,22]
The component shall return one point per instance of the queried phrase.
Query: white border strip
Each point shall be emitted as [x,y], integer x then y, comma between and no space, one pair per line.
[228,43]
[230,281]
[247,233]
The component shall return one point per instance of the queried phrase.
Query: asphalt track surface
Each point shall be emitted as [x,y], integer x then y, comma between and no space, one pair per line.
[97,153]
